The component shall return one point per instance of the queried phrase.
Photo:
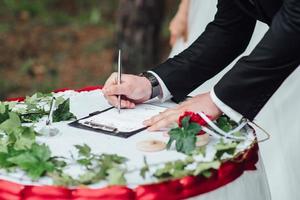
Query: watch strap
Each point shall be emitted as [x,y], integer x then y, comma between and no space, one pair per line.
[154,84]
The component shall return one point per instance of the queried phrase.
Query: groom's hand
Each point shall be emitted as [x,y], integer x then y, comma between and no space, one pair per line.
[202,102]
[134,89]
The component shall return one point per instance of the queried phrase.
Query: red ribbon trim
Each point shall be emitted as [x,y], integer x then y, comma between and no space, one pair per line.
[170,190]
[85,89]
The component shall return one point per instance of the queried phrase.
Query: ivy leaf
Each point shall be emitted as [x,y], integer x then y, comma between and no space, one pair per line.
[116,176]
[34,162]
[83,150]
[113,159]
[185,121]
[59,100]
[62,179]
[58,163]
[40,169]
[225,123]
[25,160]
[88,178]
[188,143]
[21,137]
[4,110]
[24,137]
[3,145]
[42,152]
[207,173]
[173,169]
[32,117]
[174,136]
[223,147]
[145,168]
[193,128]
[84,161]
[185,137]
[204,167]
[11,123]
[3,160]
[62,113]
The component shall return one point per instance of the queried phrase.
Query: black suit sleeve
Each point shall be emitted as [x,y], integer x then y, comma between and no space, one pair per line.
[222,41]
[252,81]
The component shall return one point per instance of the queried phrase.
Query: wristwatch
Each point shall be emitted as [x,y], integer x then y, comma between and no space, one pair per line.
[154,83]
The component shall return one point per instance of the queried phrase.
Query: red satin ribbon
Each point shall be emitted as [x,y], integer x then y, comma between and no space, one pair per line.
[169,190]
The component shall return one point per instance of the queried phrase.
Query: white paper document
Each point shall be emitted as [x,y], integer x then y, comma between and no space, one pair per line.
[127,121]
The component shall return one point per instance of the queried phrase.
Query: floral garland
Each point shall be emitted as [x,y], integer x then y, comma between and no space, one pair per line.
[20,150]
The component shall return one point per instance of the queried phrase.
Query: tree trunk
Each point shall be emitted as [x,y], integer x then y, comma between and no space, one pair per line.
[139,24]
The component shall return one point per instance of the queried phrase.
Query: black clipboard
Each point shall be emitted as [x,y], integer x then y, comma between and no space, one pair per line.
[103,128]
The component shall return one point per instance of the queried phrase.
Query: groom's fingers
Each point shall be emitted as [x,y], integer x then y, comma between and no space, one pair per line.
[121,89]
[111,80]
[114,101]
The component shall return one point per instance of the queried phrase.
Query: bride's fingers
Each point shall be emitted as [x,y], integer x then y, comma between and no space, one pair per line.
[164,123]
[158,117]
[166,134]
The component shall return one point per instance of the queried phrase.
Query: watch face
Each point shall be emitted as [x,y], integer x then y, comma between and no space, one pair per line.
[153,80]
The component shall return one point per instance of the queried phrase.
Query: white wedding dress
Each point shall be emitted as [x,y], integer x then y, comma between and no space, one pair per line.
[279,117]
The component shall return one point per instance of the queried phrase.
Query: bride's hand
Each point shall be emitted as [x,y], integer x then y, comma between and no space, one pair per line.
[179,24]
[199,103]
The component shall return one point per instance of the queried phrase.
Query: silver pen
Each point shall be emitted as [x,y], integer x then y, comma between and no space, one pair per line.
[119,79]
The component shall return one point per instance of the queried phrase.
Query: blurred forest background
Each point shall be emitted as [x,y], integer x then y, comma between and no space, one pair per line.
[50,44]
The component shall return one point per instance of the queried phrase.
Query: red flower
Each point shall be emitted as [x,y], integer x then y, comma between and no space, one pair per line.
[194,117]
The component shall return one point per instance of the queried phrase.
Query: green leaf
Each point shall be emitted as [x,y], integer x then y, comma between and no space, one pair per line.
[3,145]
[40,170]
[62,113]
[4,112]
[206,166]
[2,108]
[185,138]
[42,152]
[4,163]
[32,117]
[223,123]
[188,144]
[88,178]
[25,160]
[237,134]
[58,163]
[11,123]
[113,158]
[206,173]
[174,169]
[185,121]
[174,135]
[83,150]
[62,179]
[193,128]
[116,176]
[34,162]
[145,168]
[223,147]
[84,161]
[59,100]
[24,137]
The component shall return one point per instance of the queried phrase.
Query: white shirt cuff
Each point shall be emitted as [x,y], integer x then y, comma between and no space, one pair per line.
[232,114]
[164,92]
